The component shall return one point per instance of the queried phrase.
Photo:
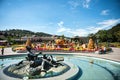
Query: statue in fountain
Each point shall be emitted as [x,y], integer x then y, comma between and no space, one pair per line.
[34,65]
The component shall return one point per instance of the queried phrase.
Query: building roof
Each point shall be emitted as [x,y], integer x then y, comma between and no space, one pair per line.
[3,40]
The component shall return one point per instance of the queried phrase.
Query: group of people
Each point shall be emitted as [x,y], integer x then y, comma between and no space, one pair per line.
[101,50]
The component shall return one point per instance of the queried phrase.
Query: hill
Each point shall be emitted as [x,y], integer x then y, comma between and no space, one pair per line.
[112,35]
[17,33]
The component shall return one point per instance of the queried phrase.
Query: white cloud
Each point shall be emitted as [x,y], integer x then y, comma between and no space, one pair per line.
[77,3]
[106,24]
[72,32]
[61,27]
[105,12]
[74,4]
[79,32]
[86,3]
[60,23]
[93,29]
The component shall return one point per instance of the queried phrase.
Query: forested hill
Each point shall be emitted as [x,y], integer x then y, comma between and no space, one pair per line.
[115,29]
[112,35]
[17,33]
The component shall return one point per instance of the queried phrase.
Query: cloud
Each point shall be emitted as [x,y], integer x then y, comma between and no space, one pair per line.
[60,23]
[74,4]
[68,31]
[108,23]
[61,27]
[105,12]
[86,3]
[93,29]
[79,32]
[105,24]
[79,3]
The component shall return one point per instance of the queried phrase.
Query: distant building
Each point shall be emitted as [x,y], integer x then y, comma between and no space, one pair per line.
[34,39]
[80,39]
[3,42]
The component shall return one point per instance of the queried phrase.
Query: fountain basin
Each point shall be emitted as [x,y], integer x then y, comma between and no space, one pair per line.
[90,68]
[69,72]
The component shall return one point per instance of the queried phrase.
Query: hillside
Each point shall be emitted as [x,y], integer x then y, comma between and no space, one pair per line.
[17,33]
[112,35]
[115,29]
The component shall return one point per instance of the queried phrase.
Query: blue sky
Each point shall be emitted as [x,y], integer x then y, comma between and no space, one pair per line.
[58,17]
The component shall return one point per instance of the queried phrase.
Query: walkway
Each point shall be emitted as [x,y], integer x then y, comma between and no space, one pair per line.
[115,55]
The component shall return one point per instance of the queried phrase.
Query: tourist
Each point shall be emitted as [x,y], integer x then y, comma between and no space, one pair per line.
[100,51]
[104,49]
[2,51]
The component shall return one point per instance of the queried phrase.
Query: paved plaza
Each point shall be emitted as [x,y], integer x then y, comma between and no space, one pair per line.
[115,55]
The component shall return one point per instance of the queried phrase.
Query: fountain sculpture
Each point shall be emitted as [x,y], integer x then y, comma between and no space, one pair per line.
[37,67]
[34,66]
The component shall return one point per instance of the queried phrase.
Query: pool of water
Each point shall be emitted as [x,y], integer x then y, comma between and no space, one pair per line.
[90,68]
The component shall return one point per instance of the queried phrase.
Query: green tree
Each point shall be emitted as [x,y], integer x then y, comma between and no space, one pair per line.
[114,31]
[117,35]
[93,36]
[62,37]
[102,35]
[9,39]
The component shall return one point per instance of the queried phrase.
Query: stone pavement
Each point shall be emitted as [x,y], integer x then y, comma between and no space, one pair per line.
[115,55]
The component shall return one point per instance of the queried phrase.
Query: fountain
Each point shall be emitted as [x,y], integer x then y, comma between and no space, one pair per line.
[65,67]
[37,67]
[101,69]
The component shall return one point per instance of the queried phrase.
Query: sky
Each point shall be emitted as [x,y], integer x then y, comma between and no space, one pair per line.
[60,17]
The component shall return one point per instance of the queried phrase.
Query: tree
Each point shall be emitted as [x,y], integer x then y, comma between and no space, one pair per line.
[62,37]
[9,39]
[102,35]
[93,36]
[117,35]
[5,34]
[114,31]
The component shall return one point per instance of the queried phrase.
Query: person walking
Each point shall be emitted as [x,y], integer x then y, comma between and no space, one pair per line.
[2,51]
